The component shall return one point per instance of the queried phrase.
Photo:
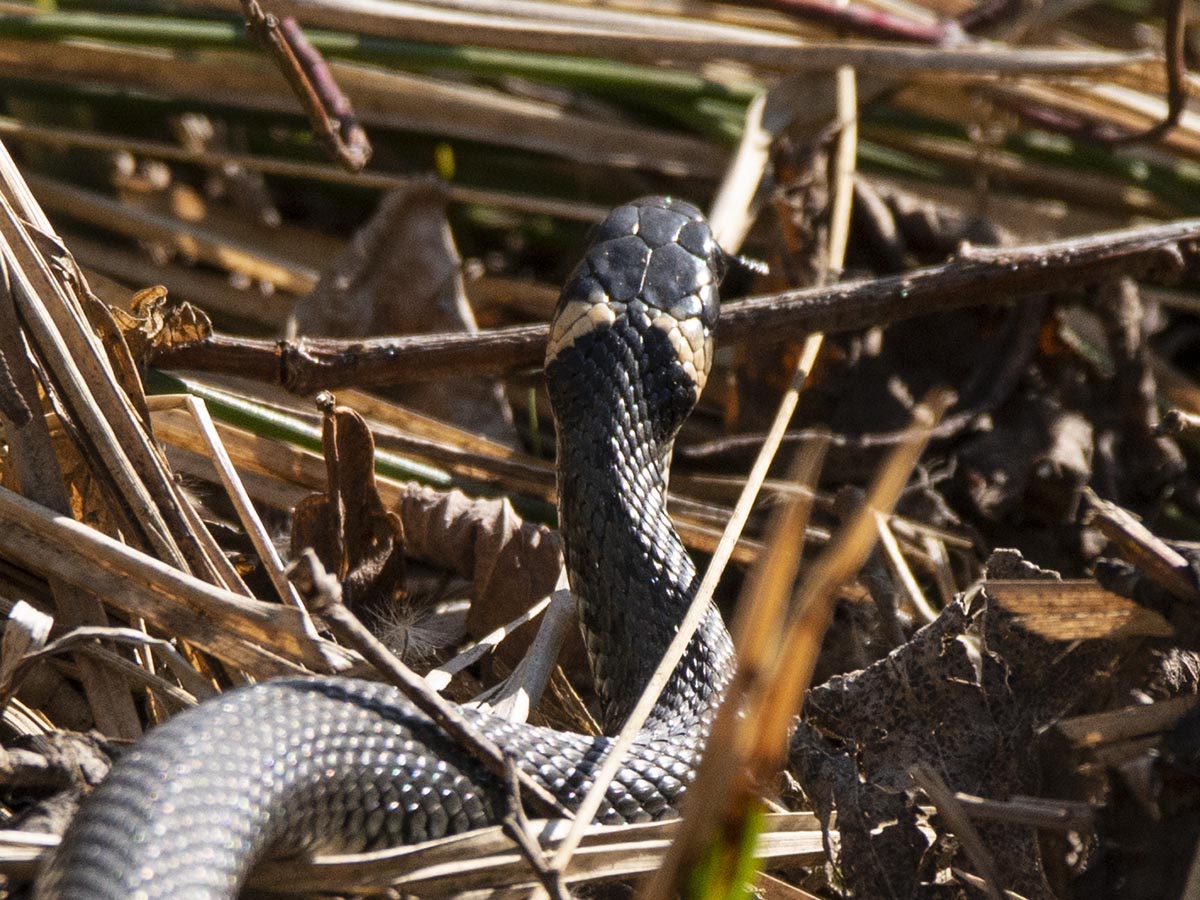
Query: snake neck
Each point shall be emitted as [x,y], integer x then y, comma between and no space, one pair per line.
[631,576]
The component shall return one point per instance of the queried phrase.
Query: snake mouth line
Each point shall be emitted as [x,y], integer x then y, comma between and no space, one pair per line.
[691,340]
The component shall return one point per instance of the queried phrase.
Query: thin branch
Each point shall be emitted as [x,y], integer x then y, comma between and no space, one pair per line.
[518,827]
[302,65]
[1142,549]
[1175,47]
[973,278]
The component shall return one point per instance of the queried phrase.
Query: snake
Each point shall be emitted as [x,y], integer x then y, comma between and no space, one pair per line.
[311,765]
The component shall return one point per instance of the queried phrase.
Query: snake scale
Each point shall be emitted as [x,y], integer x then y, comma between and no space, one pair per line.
[340,765]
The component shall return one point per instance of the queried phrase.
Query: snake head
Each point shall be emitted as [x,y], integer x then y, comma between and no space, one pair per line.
[652,268]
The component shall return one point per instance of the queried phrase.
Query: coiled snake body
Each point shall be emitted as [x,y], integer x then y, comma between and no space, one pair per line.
[335,764]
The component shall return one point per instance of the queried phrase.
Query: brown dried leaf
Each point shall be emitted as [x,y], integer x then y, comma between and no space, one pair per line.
[511,563]
[90,502]
[352,533]
[967,693]
[407,243]
[154,321]
[102,319]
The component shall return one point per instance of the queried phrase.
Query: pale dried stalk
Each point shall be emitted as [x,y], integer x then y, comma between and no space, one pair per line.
[246,513]
[563,28]
[381,98]
[516,695]
[439,678]
[901,571]
[278,462]
[76,390]
[262,638]
[218,159]
[52,310]
[481,859]
[33,460]
[200,241]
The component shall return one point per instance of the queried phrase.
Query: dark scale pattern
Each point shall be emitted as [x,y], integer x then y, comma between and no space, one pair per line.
[342,765]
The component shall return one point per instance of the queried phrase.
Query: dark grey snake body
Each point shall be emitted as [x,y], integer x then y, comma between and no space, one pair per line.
[335,764]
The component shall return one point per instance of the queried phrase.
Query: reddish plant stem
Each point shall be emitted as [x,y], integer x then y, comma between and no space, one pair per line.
[306,71]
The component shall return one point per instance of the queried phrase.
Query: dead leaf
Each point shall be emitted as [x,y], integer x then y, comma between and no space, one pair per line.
[510,563]
[155,321]
[348,527]
[401,274]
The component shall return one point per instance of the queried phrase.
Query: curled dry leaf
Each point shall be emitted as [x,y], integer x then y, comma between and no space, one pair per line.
[353,534]
[100,316]
[91,502]
[154,322]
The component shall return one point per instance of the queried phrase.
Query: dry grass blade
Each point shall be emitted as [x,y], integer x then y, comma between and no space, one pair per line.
[479,860]
[847,553]
[1145,550]
[1098,729]
[261,638]
[76,386]
[218,159]
[1061,815]
[21,853]
[237,494]
[553,28]
[383,98]
[486,859]
[37,470]
[899,568]
[440,677]
[927,778]
[769,585]
[1076,610]
[516,695]
[202,241]
[748,742]
[197,686]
